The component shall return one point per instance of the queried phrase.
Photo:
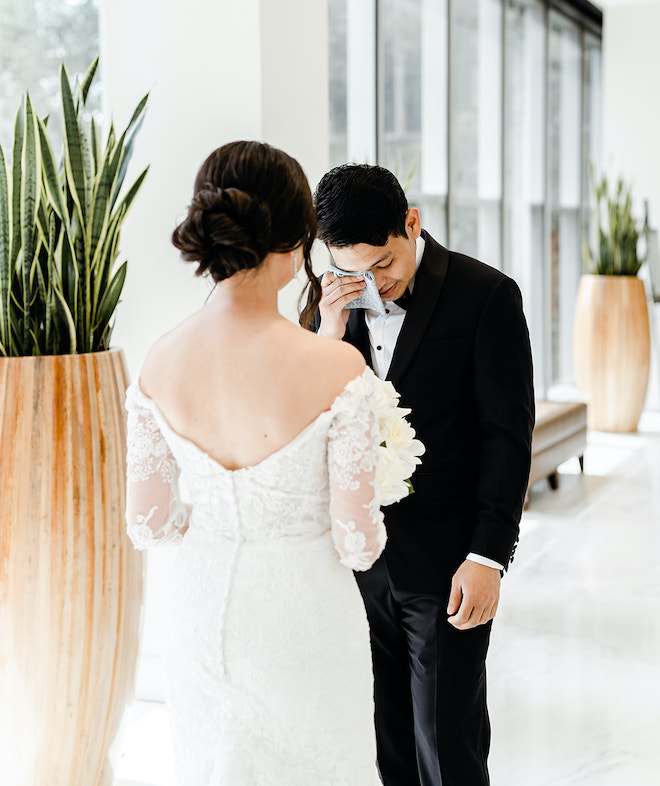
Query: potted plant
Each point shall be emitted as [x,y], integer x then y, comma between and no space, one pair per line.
[611,339]
[70,584]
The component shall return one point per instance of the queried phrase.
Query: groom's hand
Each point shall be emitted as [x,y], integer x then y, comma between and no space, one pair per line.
[475,593]
[336,292]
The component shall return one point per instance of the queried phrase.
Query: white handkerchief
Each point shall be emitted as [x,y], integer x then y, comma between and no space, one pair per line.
[370,298]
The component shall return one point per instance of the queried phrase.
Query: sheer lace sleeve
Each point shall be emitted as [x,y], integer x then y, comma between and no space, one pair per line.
[155,513]
[353,461]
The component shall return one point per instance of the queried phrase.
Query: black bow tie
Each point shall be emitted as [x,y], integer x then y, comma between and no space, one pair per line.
[404,301]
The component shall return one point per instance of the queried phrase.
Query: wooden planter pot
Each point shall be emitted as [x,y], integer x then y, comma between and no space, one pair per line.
[70,581]
[612,350]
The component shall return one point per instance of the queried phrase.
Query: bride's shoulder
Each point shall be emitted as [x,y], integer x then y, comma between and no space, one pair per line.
[328,366]
[337,359]
[163,358]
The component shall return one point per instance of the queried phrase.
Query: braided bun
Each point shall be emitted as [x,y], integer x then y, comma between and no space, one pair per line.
[226,230]
[250,199]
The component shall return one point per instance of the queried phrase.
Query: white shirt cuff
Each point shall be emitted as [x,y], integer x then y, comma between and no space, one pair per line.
[489,563]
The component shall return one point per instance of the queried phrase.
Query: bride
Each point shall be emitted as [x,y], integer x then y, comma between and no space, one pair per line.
[274,433]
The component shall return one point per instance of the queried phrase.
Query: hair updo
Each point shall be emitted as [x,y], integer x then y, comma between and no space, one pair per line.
[249,199]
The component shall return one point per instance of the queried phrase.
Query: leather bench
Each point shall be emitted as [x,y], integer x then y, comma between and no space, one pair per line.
[560,432]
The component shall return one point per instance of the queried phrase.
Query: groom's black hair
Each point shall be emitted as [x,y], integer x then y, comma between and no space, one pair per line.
[359,203]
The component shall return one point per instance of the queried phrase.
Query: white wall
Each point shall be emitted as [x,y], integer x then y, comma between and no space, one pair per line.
[631,116]
[217,70]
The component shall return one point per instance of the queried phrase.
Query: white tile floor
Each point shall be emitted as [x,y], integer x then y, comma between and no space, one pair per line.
[574,666]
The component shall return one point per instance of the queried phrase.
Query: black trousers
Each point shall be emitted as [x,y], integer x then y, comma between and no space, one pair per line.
[431,719]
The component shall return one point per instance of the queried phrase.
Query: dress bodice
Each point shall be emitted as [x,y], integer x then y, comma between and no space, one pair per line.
[286,494]
[324,478]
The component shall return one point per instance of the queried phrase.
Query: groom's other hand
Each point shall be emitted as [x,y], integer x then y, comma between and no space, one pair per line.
[475,593]
[336,292]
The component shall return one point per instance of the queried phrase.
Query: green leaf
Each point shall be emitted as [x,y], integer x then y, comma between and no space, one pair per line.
[53,183]
[42,287]
[95,139]
[106,254]
[69,272]
[19,133]
[30,188]
[51,173]
[101,201]
[5,252]
[83,302]
[63,321]
[127,201]
[127,141]
[52,244]
[73,150]
[107,307]
[88,163]
[88,79]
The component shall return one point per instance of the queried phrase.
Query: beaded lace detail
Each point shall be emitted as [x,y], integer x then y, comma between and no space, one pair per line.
[324,477]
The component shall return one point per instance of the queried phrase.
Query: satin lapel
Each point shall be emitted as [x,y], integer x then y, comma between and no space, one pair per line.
[429,281]
[357,333]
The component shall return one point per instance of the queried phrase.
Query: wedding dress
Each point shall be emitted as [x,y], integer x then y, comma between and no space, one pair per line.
[269,667]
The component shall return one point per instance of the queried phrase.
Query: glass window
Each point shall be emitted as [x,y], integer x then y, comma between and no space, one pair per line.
[352,74]
[413,114]
[337,83]
[565,171]
[591,132]
[524,163]
[34,38]
[475,129]
[490,112]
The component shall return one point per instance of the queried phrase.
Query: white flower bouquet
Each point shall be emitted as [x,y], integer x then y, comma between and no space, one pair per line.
[398,448]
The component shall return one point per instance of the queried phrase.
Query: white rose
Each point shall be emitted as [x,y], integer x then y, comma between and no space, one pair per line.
[392,475]
[396,431]
[386,396]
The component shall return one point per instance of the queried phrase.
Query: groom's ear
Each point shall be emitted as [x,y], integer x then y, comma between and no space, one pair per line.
[413,223]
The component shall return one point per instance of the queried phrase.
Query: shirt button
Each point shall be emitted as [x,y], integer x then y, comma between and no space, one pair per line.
[379,347]
[387,311]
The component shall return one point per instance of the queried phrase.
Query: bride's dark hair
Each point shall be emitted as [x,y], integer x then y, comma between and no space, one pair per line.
[249,199]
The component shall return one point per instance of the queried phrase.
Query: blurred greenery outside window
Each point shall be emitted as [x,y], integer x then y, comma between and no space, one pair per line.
[493,107]
[35,37]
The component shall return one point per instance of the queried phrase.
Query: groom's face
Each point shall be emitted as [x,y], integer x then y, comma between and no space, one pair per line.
[393,264]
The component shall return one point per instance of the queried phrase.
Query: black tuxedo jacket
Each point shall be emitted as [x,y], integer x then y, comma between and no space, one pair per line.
[463,365]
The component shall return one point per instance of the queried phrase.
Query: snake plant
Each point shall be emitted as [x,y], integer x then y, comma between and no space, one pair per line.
[618,233]
[60,224]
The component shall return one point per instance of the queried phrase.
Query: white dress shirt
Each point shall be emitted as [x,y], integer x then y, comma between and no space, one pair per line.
[383,334]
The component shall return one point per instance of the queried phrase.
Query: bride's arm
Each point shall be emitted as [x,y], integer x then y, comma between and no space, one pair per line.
[353,460]
[155,513]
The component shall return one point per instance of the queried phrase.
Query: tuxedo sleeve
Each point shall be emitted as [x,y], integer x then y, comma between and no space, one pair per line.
[504,394]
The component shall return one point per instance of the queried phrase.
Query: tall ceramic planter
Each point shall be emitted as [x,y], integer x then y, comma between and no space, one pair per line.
[70,581]
[612,350]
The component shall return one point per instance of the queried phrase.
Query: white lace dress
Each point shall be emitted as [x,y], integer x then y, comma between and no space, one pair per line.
[269,668]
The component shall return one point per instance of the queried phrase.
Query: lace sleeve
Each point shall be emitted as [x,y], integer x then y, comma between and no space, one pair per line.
[155,513]
[353,461]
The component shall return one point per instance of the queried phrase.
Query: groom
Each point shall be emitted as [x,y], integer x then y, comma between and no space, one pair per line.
[455,344]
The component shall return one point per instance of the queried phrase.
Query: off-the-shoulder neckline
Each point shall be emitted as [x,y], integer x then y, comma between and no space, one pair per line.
[136,390]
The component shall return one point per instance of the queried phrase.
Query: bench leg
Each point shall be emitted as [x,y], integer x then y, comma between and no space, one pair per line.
[553,480]
[581,460]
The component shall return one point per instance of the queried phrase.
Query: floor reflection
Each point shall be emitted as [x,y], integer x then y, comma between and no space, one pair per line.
[574,669]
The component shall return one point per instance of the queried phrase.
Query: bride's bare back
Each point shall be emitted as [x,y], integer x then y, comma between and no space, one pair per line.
[241,382]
